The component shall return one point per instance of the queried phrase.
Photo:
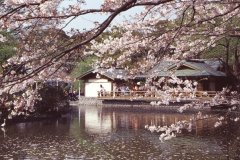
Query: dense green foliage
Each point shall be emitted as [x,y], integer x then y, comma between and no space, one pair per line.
[82,67]
[225,49]
[54,100]
[7,48]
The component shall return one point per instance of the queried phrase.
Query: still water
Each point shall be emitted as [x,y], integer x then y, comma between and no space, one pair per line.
[99,133]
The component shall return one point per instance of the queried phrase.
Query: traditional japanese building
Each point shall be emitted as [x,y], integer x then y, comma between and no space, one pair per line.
[107,78]
[208,73]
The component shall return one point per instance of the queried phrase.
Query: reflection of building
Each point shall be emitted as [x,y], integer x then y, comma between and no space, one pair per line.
[96,123]
[101,121]
[139,120]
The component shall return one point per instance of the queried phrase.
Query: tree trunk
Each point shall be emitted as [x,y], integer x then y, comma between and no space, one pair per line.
[236,64]
[227,51]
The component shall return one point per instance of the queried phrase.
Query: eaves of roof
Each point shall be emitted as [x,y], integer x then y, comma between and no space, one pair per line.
[85,74]
[111,74]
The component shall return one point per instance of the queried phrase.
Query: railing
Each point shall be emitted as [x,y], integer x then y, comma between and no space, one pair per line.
[155,95]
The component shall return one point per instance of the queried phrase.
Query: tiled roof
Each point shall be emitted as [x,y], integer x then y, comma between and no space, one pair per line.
[112,73]
[190,68]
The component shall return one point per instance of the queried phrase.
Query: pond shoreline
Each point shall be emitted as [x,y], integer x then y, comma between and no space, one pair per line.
[141,105]
[123,102]
[36,117]
[120,102]
[137,105]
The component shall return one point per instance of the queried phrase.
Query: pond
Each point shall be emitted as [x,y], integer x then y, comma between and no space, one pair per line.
[90,132]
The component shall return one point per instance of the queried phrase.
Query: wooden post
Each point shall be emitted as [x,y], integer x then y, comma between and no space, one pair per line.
[79,91]
[114,88]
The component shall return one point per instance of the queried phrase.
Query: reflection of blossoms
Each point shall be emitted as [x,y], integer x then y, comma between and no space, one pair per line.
[169,132]
[217,124]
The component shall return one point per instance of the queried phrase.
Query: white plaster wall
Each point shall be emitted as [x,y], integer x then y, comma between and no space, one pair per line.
[93,86]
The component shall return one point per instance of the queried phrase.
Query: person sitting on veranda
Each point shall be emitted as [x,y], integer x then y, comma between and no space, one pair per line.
[135,90]
[124,90]
[102,90]
[127,90]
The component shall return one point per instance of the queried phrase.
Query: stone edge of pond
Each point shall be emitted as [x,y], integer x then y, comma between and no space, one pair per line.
[139,105]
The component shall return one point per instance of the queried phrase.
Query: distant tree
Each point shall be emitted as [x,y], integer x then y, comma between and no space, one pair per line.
[7,47]
[81,67]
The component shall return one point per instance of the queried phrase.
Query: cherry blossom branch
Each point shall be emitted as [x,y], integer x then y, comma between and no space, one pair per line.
[103,26]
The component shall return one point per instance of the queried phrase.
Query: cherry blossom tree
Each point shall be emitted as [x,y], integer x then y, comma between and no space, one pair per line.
[193,26]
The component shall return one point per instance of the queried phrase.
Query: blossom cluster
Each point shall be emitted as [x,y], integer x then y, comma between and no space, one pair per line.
[169,132]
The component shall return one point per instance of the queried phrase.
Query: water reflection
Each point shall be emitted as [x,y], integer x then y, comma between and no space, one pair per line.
[99,133]
[102,121]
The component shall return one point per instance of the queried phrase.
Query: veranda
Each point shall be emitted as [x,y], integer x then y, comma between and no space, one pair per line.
[156,96]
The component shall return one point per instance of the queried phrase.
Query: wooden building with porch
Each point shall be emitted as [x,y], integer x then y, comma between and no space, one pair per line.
[107,78]
[208,73]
